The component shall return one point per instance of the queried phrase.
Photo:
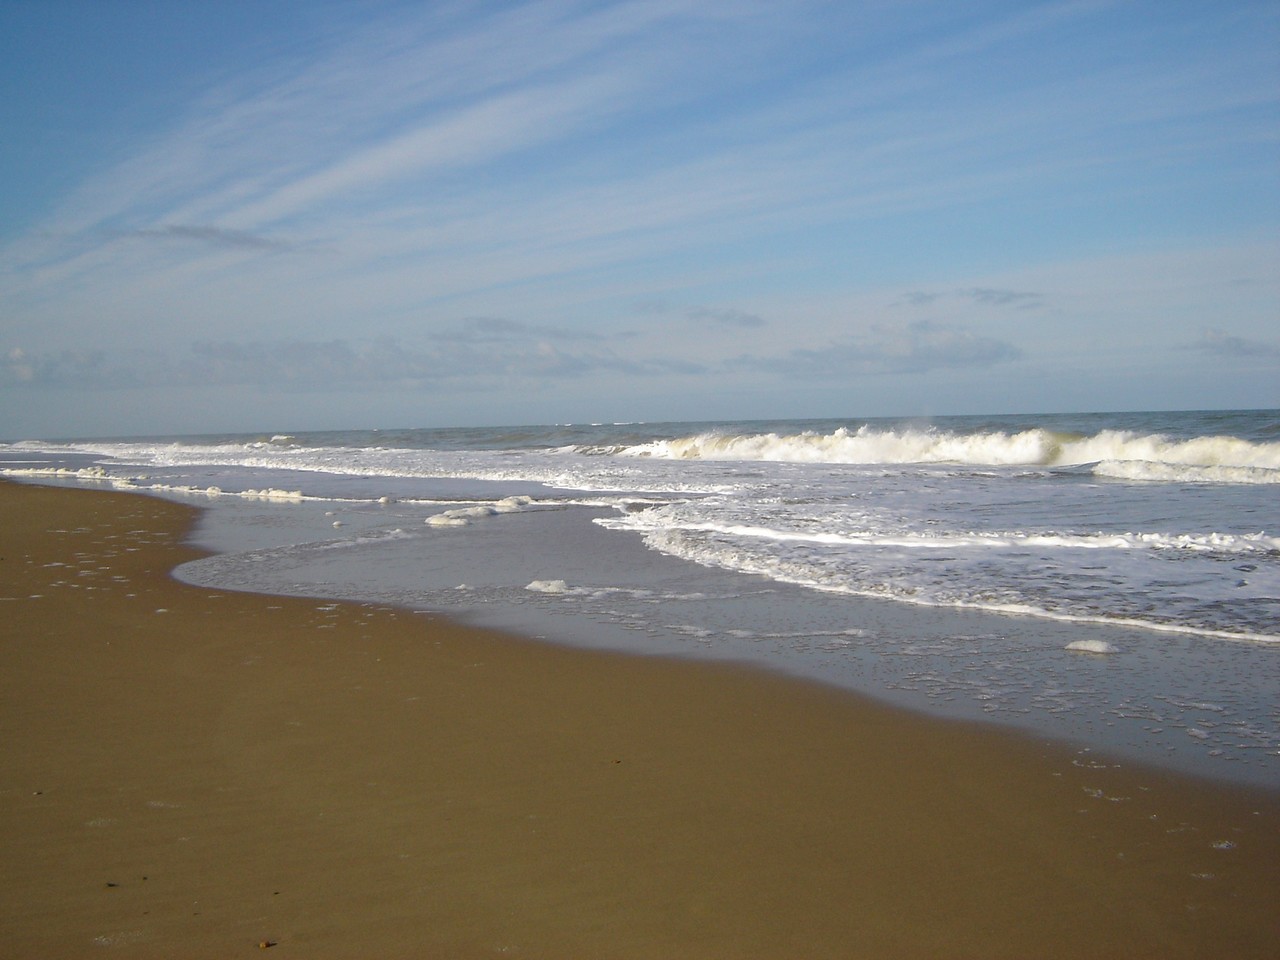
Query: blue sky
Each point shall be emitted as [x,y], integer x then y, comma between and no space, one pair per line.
[285,216]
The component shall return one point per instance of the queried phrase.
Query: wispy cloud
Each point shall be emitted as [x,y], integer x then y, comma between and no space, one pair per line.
[727,317]
[58,368]
[1021,299]
[920,298]
[1218,343]
[478,133]
[912,348]
[984,296]
[504,330]
[213,236]
[489,352]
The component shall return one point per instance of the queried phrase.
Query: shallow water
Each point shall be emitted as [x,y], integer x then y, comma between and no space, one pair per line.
[971,568]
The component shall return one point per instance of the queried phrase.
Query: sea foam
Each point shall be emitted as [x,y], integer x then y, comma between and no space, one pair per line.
[1091,646]
[548,586]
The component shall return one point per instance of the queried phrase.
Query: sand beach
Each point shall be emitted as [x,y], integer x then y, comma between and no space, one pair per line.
[199,773]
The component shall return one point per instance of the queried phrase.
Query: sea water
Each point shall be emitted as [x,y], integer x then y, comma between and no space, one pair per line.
[1108,579]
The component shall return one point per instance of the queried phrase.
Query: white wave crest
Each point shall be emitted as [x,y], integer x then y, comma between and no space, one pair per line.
[864,445]
[1228,459]
[1218,543]
[1183,473]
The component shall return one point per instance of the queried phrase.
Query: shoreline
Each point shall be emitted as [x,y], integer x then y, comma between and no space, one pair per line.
[346,779]
[1184,704]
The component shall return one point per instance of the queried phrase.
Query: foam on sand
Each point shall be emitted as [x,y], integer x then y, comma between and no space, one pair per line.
[461,516]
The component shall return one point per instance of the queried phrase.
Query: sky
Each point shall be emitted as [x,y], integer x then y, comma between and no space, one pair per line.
[246,216]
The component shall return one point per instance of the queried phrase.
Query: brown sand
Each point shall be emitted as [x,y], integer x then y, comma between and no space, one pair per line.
[191,773]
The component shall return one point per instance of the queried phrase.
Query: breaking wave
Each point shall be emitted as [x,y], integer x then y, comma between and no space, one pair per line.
[1116,453]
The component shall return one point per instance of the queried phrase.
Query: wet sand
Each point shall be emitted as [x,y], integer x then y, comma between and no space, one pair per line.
[196,773]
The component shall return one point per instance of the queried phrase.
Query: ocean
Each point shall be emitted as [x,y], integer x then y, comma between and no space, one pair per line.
[1111,580]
